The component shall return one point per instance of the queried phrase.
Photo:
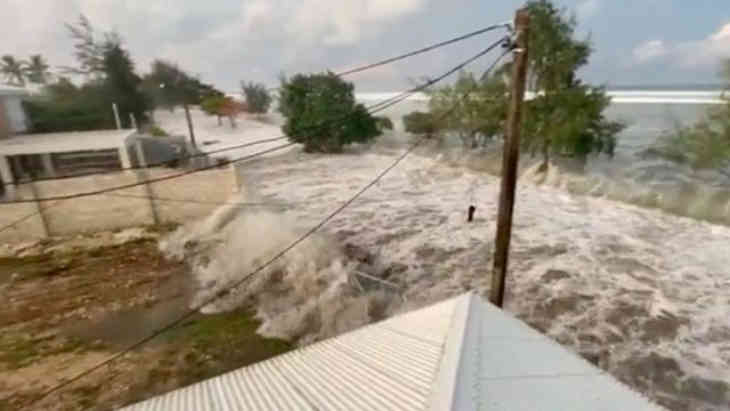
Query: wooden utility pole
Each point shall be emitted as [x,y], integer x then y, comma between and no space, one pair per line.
[190,124]
[510,158]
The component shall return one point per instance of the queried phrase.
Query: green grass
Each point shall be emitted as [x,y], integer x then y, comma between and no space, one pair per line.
[223,342]
[204,347]
[18,352]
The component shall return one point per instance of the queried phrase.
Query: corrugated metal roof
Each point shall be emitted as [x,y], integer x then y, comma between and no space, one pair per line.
[506,365]
[462,354]
[390,365]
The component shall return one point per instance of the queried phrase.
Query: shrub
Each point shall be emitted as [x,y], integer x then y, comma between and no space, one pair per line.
[258,98]
[419,122]
[157,131]
[383,123]
[321,113]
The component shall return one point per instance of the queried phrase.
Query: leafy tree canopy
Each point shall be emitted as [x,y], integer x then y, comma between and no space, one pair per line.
[110,78]
[12,70]
[419,122]
[705,145]
[321,113]
[383,123]
[566,117]
[473,109]
[257,96]
[168,86]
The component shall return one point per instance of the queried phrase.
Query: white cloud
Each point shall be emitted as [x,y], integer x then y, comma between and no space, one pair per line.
[588,8]
[344,22]
[649,50]
[707,52]
[234,38]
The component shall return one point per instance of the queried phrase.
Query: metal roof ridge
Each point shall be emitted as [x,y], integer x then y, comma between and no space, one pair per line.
[445,382]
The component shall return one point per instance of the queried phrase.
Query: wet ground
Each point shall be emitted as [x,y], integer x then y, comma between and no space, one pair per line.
[68,310]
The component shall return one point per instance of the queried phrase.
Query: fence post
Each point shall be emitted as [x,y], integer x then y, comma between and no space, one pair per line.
[510,159]
[142,176]
[235,178]
[116,116]
[39,208]
[133,121]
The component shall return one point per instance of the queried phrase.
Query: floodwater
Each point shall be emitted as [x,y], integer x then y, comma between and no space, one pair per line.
[640,292]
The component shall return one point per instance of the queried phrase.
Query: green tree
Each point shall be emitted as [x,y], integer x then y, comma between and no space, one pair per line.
[383,123]
[12,70]
[89,51]
[36,69]
[65,107]
[322,114]
[419,122]
[473,109]
[168,86]
[212,106]
[566,116]
[257,96]
[705,145]
[123,85]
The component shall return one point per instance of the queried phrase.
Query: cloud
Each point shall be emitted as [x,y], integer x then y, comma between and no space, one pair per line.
[588,8]
[649,50]
[704,53]
[710,50]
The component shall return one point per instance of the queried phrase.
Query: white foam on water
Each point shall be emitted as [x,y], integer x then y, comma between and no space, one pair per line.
[641,288]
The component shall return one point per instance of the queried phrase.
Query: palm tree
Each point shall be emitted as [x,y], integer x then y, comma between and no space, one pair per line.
[12,70]
[36,69]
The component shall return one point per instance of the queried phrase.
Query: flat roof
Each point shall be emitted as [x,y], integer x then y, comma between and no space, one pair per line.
[65,142]
[461,354]
[6,90]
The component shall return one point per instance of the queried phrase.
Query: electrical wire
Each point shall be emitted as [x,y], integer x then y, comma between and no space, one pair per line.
[423,50]
[153,180]
[506,25]
[374,108]
[236,284]
[157,164]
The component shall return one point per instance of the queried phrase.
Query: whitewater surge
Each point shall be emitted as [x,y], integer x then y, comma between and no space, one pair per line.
[639,292]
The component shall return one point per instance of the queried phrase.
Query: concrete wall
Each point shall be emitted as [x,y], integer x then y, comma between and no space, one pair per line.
[118,209]
[14,118]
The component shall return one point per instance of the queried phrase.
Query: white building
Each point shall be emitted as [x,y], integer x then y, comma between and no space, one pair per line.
[34,156]
[12,116]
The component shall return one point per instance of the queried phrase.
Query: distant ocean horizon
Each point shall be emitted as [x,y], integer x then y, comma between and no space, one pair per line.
[691,94]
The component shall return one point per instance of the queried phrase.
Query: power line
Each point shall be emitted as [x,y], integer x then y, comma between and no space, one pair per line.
[423,50]
[372,109]
[24,218]
[343,73]
[402,96]
[152,180]
[226,290]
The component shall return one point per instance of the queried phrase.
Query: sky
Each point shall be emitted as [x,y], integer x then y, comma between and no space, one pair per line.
[636,42]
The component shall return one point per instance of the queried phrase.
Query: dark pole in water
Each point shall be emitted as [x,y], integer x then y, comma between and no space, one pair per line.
[472,209]
[190,124]
[510,159]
